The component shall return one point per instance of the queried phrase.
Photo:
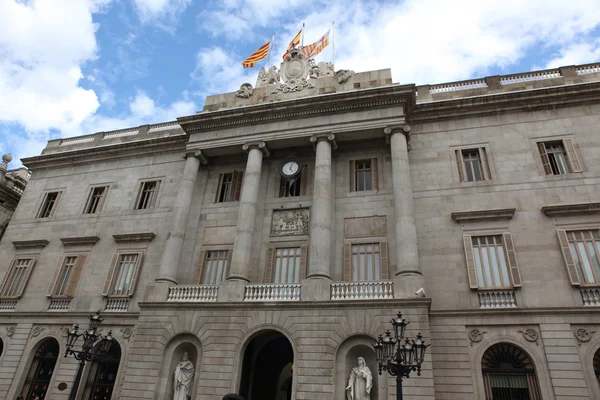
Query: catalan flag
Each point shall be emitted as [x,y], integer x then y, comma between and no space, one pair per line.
[295,42]
[315,48]
[258,55]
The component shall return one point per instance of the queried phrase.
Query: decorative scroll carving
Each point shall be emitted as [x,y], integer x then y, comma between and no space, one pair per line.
[292,86]
[475,336]
[36,331]
[126,333]
[10,330]
[583,335]
[530,335]
[290,222]
[245,91]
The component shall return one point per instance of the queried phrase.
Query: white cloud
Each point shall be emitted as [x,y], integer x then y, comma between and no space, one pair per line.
[576,53]
[161,13]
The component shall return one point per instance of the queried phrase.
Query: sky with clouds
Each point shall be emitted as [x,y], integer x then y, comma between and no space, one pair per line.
[74,67]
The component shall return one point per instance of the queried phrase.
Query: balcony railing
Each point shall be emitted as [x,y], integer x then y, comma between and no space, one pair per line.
[59,305]
[8,305]
[497,299]
[193,294]
[117,304]
[590,297]
[273,292]
[362,290]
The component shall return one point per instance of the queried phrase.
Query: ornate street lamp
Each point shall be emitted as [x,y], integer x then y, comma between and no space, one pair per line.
[397,358]
[87,353]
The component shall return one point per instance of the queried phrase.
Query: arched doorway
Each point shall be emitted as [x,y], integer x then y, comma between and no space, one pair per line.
[41,370]
[267,368]
[509,374]
[597,365]
[101,377]
[1,347]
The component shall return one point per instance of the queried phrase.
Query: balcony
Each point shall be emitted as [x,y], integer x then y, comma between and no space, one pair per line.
[362,290]
[59,305]
[497,299]
[590,296]
[273,292]
[117,304]
[193,294]
[8,305]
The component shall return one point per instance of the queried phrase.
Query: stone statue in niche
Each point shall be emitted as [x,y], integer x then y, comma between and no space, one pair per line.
[184,374]
[268,77]
[360,382]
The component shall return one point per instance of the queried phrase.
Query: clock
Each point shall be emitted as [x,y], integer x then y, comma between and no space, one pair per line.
[290,168]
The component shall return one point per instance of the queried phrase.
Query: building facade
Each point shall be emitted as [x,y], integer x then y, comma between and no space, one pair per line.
[273,236]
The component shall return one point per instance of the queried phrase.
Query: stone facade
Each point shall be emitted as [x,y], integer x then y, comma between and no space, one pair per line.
[172,193]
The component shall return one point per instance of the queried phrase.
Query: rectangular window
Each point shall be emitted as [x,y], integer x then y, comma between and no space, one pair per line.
[363,175]
[122,275]
[473,165]
[585,250]
[366,262]
[95,200]
[295,187]
[64,276]
[559,157]
[147,195]
[215,267]
[229,188]
[287,265]
[490,262]
[16,278]
[49,205]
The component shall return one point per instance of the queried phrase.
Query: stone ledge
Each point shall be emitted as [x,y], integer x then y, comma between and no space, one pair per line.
[30,244]
[134,237]
[483,215]
[571,209]
[79,240]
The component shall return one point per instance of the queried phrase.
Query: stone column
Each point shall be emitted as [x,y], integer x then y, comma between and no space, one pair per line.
[172,253]
[317,286]
[233,289]
[408,278]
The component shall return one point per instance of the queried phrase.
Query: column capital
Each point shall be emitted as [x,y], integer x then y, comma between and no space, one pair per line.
[391,130]
[262,146]
[329,136]
[197,154]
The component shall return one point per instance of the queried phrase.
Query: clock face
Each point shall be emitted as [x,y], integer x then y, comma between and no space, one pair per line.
[290,168]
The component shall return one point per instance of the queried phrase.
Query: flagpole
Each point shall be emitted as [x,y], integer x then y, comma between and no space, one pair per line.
[333,41]
[302,37]
[271,50]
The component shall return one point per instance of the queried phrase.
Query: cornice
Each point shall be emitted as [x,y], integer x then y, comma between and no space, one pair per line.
[101,153]
[30,244]
[524,100]
[134,237]
[562,210]
[483,215]
[80,240]
[305,107]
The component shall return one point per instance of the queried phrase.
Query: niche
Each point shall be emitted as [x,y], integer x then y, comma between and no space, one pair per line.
[184,343]
[347,358]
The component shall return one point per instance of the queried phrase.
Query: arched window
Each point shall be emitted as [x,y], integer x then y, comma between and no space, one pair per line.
[597,364]
[509,374]
[102,375]
[1,347]
[41,370]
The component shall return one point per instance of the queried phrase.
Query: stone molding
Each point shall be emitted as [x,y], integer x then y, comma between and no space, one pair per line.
[80,240]
[317,137]
[571,209]
[390,130]
[30,244]
[262,146]
[483,215]
[198,154]
[134,237]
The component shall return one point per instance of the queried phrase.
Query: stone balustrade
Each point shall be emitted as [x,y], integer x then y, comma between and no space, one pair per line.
[590,296]
[497,299]
[362,290]
[588,69]
[273,292]
[464,85]
[117,304]
[193,294]
[8,305]
[59,305]
[529,76]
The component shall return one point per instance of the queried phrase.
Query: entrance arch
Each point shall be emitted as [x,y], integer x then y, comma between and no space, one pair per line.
[41,370]
[101,375]
[267,367]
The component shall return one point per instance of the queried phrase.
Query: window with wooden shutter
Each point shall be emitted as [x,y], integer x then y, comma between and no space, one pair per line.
[214,267]
[572,155]
[364,174]
[286,264]
[366,262]
[268,275]
[123,274]
[95,200]
[491,262]
[374,174]
[66,277]
[17,277]
[473,165]
[559,157]
[347,262]
[581,252]
[148,195]
[49,204]
[461,166]
[352,179]
[236,185]
[230,186]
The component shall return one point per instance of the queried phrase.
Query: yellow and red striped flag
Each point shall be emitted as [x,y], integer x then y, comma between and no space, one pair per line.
[258,55]
[315,48]
[295,42]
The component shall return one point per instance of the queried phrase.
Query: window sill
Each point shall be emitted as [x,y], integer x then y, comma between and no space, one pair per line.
[489,182]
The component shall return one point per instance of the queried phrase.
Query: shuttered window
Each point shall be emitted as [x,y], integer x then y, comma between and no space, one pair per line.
[49,204]
[95,200]
[581,251]
[214,267]
[147,195]
[16,278]
[491,262]
[365,262]
[122,276]
[364,175]
[559,157]
[473,165]
[286,264]
[230,187]
[66,276]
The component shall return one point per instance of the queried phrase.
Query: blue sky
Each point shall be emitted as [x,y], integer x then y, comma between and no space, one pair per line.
[73,67]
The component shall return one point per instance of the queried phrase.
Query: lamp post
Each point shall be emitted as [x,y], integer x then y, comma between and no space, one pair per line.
[87,352]
[397,358]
